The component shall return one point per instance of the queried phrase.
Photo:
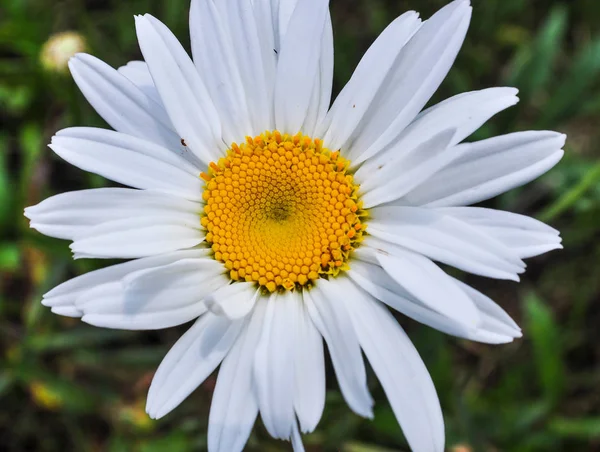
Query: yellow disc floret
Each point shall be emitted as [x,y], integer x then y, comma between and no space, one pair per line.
[281,211]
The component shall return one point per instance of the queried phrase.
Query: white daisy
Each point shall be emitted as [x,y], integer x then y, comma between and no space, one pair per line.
[279,222]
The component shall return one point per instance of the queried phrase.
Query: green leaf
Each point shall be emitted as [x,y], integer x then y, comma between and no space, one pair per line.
[547,347]
[572,196]
[567,99]
[16,98]
[10,257]
[30,141]
[6,194]
[175,441]
[54,392]
[363,447]
[582,428]
[80,337]
[533,63]
[6,382]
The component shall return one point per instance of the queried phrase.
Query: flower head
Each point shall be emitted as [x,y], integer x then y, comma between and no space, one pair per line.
[278,221]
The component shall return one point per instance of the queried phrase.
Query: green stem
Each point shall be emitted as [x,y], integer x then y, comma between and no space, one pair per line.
[567,200]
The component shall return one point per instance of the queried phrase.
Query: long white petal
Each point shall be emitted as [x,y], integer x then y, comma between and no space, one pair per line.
[309,392]
[138,237]
[155,298]
[71,214]
[255,64]
[233,301]
[138,73]
[264,16]
[67,311]
[181,89]
[128,160]
[351,105]
[65,294]
[374,280]
[416,75]
[274,366]
[525,236]
[297,444]
[284,10]
[399,368]
[124,106]
[416,169]
[490,167]
[465,112]
[445,239]
[297,71]
[234,405]
[321,96]
[326,307]
[193,358]
[495,320]
[212,49]
[426,282]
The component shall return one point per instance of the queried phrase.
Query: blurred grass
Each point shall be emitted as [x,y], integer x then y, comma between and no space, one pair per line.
[67,386]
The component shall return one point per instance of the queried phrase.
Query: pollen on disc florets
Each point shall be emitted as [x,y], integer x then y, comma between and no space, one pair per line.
[281,211]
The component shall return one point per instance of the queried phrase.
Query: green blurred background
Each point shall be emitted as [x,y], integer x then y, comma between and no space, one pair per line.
[68,386]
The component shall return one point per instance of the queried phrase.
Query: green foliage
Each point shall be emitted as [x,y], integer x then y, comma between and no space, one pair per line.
[68,386]
[533,64]
[547,348]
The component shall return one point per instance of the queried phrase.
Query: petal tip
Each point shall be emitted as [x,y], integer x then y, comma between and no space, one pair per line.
[46,301]
[563,138]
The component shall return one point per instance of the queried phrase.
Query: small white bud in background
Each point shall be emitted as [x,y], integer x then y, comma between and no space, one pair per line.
[59,47]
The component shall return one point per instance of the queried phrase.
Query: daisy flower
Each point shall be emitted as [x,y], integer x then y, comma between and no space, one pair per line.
[280,223]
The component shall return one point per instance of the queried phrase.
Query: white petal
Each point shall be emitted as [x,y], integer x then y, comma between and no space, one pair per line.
[445,239]
[234,405]
[399,368]
[124,106]
[464,112]
[155,298]
[128,160]
[67,311]
[490,167]
[416,75]
[138,237]
[214,57]
[297,445]
[233,301]
[274,366]
[254,64]
[298,69]
[138,73]
[309,392]
[321,96]
[494,319]
[65,294]
[353,102]
[71,214]
[325,304]
[429,158]
[525,236]
[193,358]
[181,89]
[427,283]
[374,280]
[285,10]
[264,16]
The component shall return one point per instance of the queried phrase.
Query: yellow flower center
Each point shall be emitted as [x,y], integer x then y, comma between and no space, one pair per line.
[281,211]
